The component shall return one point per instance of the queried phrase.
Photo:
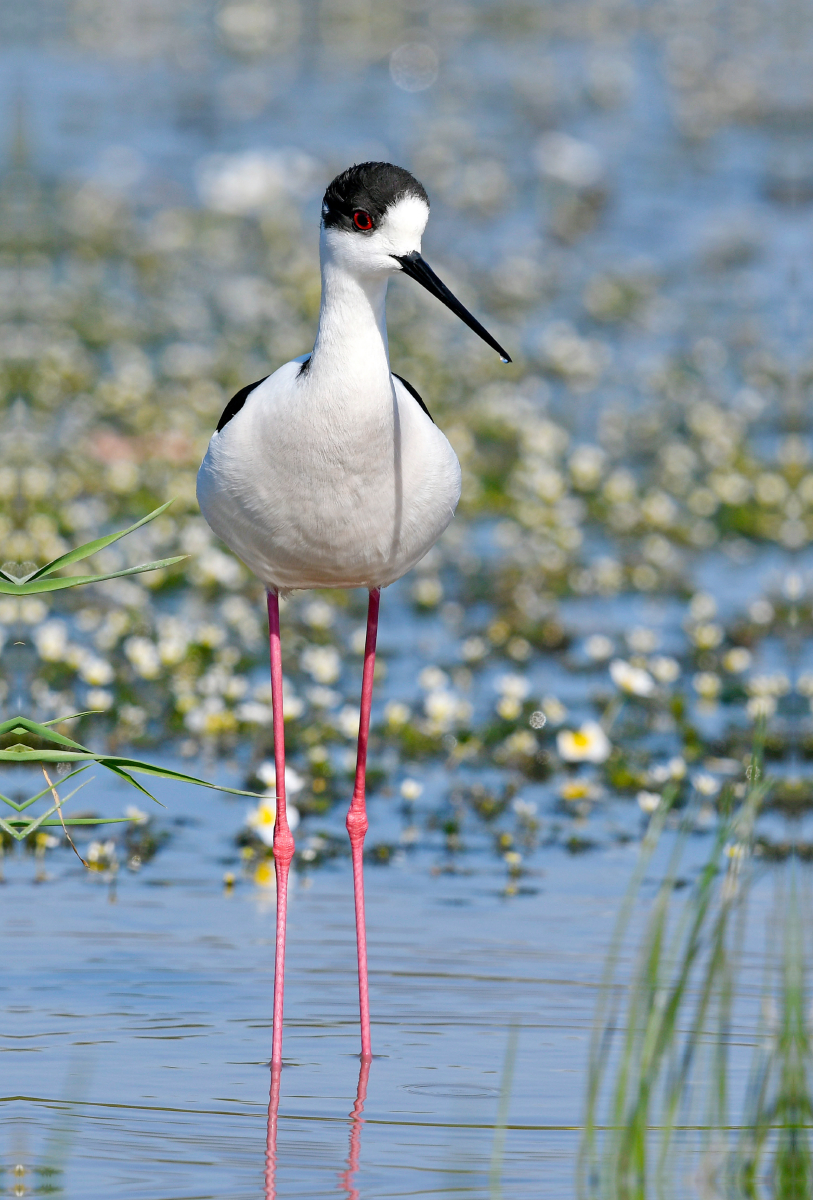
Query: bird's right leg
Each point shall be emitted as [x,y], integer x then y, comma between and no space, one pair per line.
[283,838]
[357,820]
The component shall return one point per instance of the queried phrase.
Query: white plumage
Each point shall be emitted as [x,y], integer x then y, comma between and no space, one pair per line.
[333,475]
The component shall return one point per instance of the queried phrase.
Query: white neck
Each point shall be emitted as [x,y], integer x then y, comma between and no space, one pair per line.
[351,341]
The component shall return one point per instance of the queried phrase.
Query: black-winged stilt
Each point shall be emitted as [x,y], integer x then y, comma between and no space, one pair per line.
[331,472]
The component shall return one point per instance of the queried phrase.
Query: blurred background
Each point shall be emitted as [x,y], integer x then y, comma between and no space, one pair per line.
[621,191]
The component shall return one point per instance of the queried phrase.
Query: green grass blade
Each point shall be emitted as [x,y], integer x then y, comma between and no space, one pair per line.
[27,803]
[34,587]
[26,725]
[89,712]
[93,547]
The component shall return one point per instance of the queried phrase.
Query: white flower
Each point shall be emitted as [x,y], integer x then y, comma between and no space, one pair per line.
[769,685]
[522,743]
[762,612]
[261,819]
[633,680]
[706,784]
[103,853]
[210,635]
[411,789]
[588,744]
[664,668]
[703,607]
[172,650]
[440,708]
[648,801]
[396,714]
[473,649]
[427,592]
[76,656]
[322,663]
[444,709]
[553,709]
[100,699]
[51,640]
[96,671]
[708,635]
[136,815]
[319,614]
[143,654]
[760,706]
[294,708]
[347,721]
[358,640]
[642,640]
[254,713]
[508,707]
[525,809]
[432,679]
[737,660]
[324,697]
[516,686]
[267,774]
[707,684]
[598,647]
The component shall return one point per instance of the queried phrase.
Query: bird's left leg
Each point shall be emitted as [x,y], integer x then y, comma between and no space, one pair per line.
[357,819]
[283,838]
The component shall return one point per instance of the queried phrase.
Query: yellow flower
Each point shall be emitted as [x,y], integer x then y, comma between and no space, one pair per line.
[261,819]
[588,744]
[264,874]
[579,789]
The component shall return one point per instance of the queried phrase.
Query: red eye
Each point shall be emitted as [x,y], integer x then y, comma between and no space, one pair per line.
[362,220]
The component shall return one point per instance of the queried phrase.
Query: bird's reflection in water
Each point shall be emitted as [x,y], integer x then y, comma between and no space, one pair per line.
[356,1121]
[271,1137]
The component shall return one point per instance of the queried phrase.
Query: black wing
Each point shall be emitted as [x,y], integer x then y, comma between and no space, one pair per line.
[236,403]
[414,395]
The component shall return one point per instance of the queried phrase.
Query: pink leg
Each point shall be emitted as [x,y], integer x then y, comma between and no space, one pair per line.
[283,838]
[357,820]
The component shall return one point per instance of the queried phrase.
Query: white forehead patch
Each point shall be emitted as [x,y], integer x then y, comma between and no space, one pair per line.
[404,222]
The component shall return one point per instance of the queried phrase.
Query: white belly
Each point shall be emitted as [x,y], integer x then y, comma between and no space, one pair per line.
[345,494]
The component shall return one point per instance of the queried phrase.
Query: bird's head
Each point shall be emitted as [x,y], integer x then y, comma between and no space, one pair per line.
[373,218]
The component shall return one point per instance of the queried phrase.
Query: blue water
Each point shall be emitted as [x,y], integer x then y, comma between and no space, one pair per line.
[136,1015]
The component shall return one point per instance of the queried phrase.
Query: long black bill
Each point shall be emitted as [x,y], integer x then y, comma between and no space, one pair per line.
[419,270]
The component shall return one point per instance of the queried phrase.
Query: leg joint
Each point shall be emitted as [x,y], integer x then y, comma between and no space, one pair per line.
[284,846]
[356,824]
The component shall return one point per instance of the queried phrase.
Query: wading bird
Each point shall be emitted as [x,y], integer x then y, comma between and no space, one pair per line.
[331,472]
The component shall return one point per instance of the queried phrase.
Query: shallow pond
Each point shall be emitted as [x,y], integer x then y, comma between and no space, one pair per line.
[137,1028]
[618,617]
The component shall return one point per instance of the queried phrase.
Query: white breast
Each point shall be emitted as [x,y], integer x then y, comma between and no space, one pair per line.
[337,486]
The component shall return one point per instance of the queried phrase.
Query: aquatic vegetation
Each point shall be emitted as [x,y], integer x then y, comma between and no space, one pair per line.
[42,744]
[662,1055]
